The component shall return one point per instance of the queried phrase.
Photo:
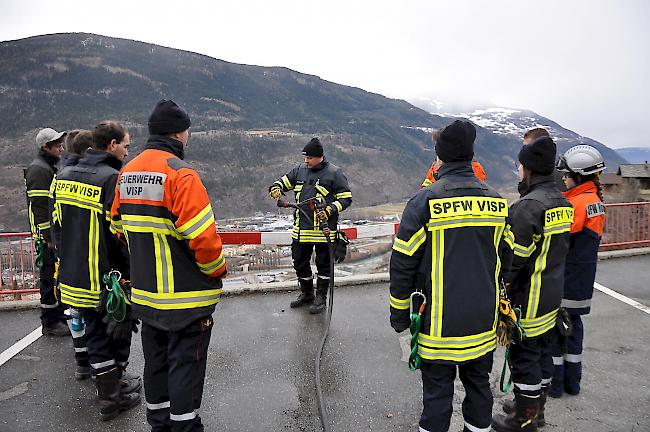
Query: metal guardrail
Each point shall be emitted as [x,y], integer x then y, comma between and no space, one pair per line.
[627,226]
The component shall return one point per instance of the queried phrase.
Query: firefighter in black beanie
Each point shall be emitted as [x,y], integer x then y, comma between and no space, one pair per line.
[315,178]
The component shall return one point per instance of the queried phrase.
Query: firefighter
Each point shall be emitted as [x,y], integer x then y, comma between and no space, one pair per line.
[88,250]
[76,143]
[581,166]
[448,247]
[177,265]
[38,177]
[319,179]
[534,276]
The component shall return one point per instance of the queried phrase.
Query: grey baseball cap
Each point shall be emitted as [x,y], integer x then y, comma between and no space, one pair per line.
[47,135]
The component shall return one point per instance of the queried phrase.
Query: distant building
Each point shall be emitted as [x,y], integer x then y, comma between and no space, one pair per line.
[612,183]
[639,172]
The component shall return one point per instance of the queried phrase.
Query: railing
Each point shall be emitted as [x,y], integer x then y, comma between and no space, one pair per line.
[627,226]
[17,269]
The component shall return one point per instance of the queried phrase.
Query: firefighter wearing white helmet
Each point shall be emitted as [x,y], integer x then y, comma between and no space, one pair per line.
[581,166]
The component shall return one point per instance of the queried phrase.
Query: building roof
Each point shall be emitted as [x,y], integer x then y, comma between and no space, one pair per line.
[610,179]
[634,170]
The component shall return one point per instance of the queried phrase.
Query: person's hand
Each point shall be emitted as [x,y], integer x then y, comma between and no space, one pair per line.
[324,214]
[275,192]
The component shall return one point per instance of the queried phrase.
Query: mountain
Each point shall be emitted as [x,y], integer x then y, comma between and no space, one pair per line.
[635,154]
[514,123]
[249,123]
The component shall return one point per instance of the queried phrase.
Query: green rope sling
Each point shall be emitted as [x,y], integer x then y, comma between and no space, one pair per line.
[115,298]
[415,361]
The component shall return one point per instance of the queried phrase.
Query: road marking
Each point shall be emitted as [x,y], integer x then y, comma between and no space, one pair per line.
[622,298]
[10,352]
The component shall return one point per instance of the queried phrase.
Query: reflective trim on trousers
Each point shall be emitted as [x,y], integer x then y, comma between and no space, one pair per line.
[421,429]
[49,306]
[158,406]
[576,304]
[558,361]
[529,387]
[84,349]
[183,417]
[573,358]
[546,381]
[473,428]
[102,364]
[323,277]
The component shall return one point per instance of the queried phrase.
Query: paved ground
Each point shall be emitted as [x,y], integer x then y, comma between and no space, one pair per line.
[260,372]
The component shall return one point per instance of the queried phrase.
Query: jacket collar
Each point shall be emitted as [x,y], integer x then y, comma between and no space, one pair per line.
[586,187]
[94,157]
[538,181]
[170,145]
[455,168]
[49,159]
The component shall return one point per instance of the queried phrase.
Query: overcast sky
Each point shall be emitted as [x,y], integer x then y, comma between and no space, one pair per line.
[583,63]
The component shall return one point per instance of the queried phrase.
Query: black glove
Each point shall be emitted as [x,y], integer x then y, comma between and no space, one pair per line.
[121,330]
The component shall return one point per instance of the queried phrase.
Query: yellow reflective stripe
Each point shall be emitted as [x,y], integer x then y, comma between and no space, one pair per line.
[524,251]
[558,229]
[464,221]
[212,266]
[164,266]
[498,236]
[116,226]
[343,195]
[298,188]
[410,246]
[399,304]
[150,224]
[93,253]
[437,287]
[457,355]
[78,302]
[429,341]
[426,183]
[287,183]
[538,326]
[97,207]
[79,292]
[338,206]
[43,226]
[322,190]
[38,193]
[199,223]
[509,237]
[536,279]
[176,300]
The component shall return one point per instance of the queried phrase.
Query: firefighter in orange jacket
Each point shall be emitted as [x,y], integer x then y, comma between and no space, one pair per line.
[581,165]
[432,174]
[177,264]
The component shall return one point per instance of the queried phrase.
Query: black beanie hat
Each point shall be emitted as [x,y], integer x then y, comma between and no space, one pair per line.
[539,156]
[313,148]
[167,117]
[456,142]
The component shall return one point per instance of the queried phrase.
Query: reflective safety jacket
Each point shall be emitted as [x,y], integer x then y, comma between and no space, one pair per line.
[70,159]
[479,172]
[163,210]
[38,177]
[586,232]
[87,248]
[448,247]
[540,221]
[325,180]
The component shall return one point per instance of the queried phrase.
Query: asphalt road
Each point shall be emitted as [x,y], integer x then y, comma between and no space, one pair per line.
[260,368]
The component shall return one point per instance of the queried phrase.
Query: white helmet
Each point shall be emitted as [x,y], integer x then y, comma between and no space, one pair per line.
[581,159]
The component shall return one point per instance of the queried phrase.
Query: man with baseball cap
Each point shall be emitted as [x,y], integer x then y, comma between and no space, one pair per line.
[38,177]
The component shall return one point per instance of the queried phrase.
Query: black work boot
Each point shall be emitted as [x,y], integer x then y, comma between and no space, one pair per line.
[318,305]
[82,373]
[111,401]
[57,328]
[306,293]
[541,421]
[522,419]
[129,382]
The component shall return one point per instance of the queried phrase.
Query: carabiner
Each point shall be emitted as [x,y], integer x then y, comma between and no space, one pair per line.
[424,301]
